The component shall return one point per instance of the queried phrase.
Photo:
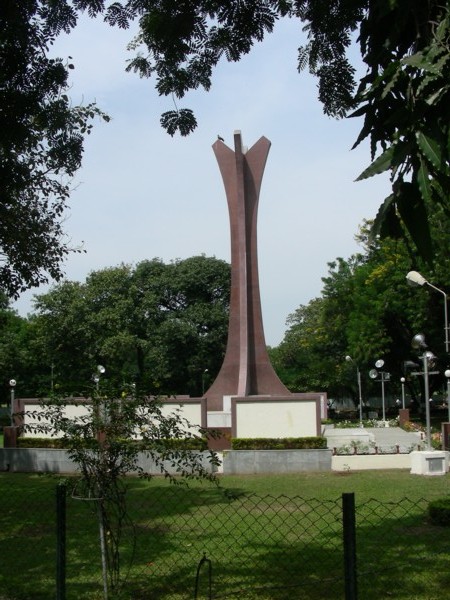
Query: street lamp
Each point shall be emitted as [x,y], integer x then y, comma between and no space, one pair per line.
[373,374]
[358,377]
[402,380]
[418,279]
[447,374]
[418,343]
[96,377]
[12,385]
[203,381]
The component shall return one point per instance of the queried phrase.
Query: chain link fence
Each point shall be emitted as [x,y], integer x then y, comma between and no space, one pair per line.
[203,542]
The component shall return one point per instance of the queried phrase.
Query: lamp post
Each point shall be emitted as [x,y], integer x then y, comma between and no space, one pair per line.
[418,343]
[96,377]
[447,374]
[373,374]
[203,381]
[358,378]
[418,279]
[12,385]
[402,381]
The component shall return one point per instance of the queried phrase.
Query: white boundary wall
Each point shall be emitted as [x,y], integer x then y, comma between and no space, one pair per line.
[33,414]
[33,411]
[259,419]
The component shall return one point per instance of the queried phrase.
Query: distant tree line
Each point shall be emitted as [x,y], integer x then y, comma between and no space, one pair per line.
[164,326]
[368,310]
[160,326]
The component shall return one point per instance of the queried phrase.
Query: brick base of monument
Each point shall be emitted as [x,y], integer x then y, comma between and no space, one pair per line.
[221,440]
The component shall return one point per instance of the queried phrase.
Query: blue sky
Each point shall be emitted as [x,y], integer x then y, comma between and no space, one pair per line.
[142,194]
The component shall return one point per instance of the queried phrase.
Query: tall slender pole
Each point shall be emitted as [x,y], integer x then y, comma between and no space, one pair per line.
[427,399]
[448,399]
[382,396]
[358,374]
[447,374]
[403,391]
[358,378]
[445,313]
[12,383]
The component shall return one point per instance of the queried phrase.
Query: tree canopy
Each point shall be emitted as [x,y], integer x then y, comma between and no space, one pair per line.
[159,326]
[403,98]
[41,146]
[368,311]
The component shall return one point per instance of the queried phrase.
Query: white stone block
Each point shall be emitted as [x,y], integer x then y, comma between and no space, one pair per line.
[429,462]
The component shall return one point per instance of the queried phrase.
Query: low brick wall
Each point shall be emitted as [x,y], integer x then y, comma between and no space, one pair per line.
[248,462]
[235,462]
[50,460]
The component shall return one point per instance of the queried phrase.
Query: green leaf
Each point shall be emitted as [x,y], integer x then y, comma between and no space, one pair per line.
[430,148]
[423,181]
[182,120]
[379,165]
[386,222]
[411,208]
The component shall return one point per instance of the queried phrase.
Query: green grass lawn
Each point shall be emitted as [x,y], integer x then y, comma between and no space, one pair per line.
[386,486]
[268,537]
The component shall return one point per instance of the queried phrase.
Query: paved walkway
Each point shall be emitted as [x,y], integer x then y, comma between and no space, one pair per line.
[388,437]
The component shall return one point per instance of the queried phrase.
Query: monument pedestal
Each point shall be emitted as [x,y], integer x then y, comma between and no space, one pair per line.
[429,462]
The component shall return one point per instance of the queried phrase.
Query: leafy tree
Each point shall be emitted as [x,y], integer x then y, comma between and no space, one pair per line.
[367,311]
[405,99]
[158,325]
[106,443]
[13,351]
[41,145]
[305,360]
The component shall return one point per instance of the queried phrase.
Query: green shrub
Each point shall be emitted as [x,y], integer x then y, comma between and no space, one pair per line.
[439,511]
[34,442]
[173,444]
[301,443]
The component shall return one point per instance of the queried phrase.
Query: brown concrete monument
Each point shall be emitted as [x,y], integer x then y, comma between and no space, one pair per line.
[246,369]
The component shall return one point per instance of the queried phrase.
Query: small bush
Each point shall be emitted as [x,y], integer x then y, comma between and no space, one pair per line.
[439,511]
[302,443]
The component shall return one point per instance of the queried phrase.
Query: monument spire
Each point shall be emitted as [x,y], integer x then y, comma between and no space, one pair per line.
[246,369]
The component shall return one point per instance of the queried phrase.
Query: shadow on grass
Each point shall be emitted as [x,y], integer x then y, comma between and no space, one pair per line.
[260,547]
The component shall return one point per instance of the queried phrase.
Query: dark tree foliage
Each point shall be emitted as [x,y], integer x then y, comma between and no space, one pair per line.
[41,144]
[405,101]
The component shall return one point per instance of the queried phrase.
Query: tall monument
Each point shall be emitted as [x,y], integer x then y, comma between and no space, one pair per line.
[246,369]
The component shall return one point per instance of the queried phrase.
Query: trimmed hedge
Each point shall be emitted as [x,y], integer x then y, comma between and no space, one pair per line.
[439,511]
[24,442]
[173,444]
[301,443]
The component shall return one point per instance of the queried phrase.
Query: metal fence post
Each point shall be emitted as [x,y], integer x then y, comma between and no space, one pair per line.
[60,542]
[349,530]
